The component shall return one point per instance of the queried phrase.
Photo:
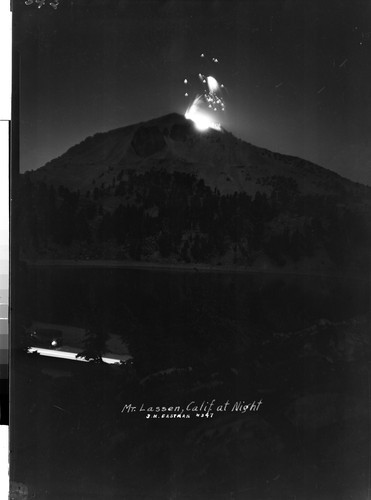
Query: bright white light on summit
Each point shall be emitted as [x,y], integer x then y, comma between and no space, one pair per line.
[201,119]
[209,98]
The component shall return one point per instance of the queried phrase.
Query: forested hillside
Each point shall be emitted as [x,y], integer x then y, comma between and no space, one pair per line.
[162,216]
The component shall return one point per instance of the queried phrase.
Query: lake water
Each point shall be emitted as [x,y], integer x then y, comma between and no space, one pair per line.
[178,318]
[274,302]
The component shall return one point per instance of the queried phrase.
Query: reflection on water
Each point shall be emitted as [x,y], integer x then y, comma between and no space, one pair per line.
[73,355]
[188,318]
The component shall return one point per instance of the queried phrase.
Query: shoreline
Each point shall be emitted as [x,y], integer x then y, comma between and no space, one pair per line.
[191,268]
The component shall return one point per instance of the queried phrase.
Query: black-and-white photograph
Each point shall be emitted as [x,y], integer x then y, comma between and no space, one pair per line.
[190,250]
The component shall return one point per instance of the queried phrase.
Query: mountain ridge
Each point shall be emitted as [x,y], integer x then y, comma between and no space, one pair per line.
[161,191]
[174,138]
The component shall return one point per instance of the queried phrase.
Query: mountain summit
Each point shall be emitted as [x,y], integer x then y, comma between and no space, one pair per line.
[162,191]
[173,142]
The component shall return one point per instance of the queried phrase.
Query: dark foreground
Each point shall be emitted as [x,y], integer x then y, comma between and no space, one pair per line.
[70,438]
[197,339]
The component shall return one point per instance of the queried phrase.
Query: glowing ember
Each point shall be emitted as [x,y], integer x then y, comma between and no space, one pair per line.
[207,96]
[200,118]
[212,84]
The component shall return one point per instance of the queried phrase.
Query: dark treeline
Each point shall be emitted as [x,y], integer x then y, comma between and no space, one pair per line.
[158,215]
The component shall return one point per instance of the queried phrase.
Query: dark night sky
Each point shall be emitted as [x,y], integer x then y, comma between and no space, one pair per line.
[297,72]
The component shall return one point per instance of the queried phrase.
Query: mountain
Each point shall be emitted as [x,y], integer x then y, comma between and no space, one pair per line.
[172,142]
[161,191]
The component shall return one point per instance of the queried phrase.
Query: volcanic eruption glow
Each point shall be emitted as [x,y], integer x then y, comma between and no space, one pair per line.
[200,118]
[208,98]
[212,84]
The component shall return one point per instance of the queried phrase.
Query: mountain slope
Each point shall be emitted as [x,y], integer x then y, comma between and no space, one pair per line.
[222,160]
[161,191]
